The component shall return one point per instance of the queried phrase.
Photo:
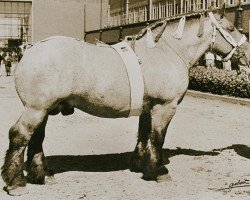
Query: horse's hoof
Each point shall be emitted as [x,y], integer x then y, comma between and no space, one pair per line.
[163,178]
[50,180]
[148,178]
[17,191]
[55,111]
[149,175]
[163,174]
[49,172]
[162,170]
[66,110]
[35,179]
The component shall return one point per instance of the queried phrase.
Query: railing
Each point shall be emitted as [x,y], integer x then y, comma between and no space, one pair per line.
[135,15]
[166,9]
[236,2]
[163,10]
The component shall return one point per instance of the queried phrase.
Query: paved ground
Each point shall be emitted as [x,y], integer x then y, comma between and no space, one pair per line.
[90,155]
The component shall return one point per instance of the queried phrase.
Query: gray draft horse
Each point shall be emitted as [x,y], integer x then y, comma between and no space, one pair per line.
[61,73]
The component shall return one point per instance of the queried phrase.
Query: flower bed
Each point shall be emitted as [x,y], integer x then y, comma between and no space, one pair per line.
[218,81]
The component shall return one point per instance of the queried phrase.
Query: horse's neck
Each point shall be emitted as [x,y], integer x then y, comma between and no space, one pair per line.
[190,48]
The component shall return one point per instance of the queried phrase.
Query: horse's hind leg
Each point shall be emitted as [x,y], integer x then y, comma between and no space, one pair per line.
[19,137]
[144,129]
[161,116]
[36,165]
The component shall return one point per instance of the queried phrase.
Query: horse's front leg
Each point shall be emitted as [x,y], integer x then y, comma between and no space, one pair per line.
[137,160]
[161,115]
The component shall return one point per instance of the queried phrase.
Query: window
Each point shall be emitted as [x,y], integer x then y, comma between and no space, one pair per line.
[15,23]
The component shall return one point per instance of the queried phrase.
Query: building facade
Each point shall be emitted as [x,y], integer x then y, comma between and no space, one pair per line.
[28,21]
[134,11]
[127,17]
[67,17]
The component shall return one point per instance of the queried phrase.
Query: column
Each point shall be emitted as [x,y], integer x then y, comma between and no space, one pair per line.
[84,20]
[134,15]
[101,14]
[100,38]
[108,13]
[127,12]
[159,10]
[150,7]
[174,8]
[181,6]
[239,19]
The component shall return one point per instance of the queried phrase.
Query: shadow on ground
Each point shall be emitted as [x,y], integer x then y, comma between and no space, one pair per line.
[110,162]
[240,149]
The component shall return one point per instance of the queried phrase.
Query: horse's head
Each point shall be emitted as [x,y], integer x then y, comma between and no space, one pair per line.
[227,40]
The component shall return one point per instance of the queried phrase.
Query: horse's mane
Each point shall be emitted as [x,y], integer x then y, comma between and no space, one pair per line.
[167,20]
[162,21]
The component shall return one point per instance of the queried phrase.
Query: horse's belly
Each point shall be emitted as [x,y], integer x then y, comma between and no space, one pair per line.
[111,103]
[103,88]
[102,111]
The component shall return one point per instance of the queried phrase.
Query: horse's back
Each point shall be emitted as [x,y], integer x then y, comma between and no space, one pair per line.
[60,67]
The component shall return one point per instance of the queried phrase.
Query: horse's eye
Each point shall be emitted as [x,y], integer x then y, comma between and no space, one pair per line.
[230,28]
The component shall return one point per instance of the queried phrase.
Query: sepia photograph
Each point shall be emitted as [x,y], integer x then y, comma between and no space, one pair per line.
[124,99]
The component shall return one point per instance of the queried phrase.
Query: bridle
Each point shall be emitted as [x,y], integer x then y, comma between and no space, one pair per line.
[236,46]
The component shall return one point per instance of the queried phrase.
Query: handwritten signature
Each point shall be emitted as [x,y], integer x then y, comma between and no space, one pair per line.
[240,183]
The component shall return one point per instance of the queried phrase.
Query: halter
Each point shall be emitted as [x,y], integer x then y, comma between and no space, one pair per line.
[217,26]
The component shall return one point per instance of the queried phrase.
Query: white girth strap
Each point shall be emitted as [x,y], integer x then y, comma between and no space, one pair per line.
[134,75]
[226,35]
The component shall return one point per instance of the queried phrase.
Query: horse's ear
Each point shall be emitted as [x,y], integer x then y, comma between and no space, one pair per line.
[210,9]
[206,13]
[222,11]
